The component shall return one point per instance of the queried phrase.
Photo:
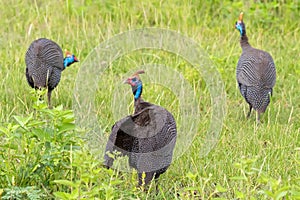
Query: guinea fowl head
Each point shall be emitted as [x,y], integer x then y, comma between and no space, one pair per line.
[136,84]
[69,59]
[240,26]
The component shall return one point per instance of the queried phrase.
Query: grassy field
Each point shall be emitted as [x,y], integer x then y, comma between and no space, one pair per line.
[42,151]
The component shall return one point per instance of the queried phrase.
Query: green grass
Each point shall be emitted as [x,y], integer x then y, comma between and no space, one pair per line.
[247,162]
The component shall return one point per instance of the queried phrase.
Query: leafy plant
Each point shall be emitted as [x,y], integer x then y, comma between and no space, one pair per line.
[36,149]
[20,193]
[90,179]
[259,184]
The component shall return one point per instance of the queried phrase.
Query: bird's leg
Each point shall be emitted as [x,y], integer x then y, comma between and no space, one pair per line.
[40,96]
[156,183]
[144,179]
[49,99]
[249,113]
[258,117]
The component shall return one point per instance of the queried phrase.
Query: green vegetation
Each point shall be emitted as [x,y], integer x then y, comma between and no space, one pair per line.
[43,154]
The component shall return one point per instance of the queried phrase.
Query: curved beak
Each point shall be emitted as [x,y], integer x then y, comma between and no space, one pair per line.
[76,59]
[126,81]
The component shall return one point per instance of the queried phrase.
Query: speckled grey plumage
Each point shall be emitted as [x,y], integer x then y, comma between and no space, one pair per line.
[256,76]
[44,64]
[147,137]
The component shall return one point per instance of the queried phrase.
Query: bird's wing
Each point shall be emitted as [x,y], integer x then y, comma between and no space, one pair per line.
[144,137]
[44,51]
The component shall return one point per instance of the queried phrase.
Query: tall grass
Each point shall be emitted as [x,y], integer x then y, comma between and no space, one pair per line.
[247,162]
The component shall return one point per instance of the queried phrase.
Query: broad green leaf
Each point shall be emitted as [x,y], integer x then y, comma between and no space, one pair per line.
[66,127]
[239,195]
[62,195]
[59,107]
[219,188]
[23,120]
[4,130]
[43,134]
[65,182]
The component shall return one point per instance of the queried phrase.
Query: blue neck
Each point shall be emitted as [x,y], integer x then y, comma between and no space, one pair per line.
[241,29]
[138,91]
[68,61]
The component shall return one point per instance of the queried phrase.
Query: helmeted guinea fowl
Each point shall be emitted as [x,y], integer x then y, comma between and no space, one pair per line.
[44,64]
[255,73]
[147,137]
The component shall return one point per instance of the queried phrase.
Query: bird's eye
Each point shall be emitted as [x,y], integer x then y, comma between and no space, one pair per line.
[133,79]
